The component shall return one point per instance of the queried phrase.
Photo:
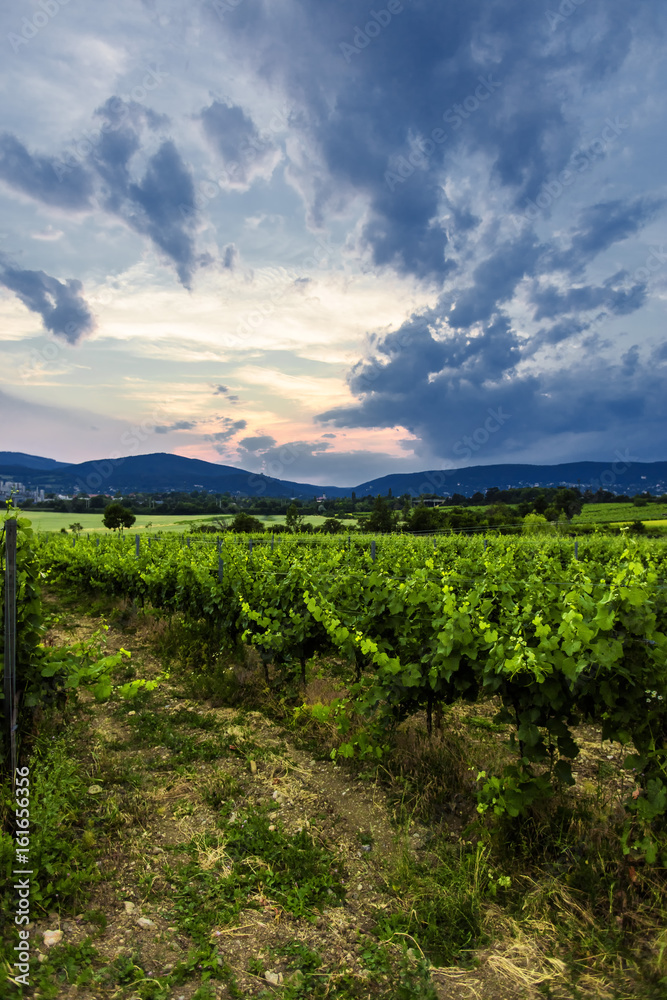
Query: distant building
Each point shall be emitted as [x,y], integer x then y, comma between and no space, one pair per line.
[7,488]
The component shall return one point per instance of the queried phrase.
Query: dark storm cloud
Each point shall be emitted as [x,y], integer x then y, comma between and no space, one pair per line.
[453,376]
[462,421]
[61,304]
[609,222]
[159,205]
[37,176]
[551,302]
[424,353]
[599,227]
[407,95]
[555,334]
[495,280]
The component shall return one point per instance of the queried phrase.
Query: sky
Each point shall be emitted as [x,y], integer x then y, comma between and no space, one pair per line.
[330,241]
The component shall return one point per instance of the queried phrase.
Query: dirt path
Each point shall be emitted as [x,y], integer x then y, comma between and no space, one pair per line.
[236,861]
[169,778]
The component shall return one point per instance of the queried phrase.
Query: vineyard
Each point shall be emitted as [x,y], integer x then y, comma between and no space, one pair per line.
[538,642]
[558,639]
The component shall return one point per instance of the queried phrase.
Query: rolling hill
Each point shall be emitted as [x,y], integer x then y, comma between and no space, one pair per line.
[160,473]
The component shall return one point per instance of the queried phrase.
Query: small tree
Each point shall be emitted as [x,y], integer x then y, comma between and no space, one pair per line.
[382,519]
[535,524]
[293,519]
[76,527]
[331,526]
[116,517]
[424,518]
[246,524]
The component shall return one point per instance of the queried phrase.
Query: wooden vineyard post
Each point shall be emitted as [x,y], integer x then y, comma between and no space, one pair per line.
[10,707]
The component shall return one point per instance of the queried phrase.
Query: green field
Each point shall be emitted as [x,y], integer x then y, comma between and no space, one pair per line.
[654,515]
[44,520]
[602,513]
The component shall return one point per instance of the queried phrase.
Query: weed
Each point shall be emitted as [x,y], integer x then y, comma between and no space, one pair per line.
[440,901]
[65,964]
[253,867]
[155,729]
[221,789]
[98,918]
[61,850]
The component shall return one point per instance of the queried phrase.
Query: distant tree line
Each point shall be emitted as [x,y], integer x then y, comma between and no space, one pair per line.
[549,501]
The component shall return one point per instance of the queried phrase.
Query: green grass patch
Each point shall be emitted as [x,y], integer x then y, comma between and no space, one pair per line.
[157,730]
[247,868]
[441,901]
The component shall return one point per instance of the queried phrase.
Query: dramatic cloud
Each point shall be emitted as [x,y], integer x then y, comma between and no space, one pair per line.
[40,177]
[551,302]
[313,462]
[61,305]
[160,204]
[609,222]
[221,438]
[438,223]
[245,154]
[391,105]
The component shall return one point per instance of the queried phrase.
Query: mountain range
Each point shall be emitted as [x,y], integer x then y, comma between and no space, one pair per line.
[160,473]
